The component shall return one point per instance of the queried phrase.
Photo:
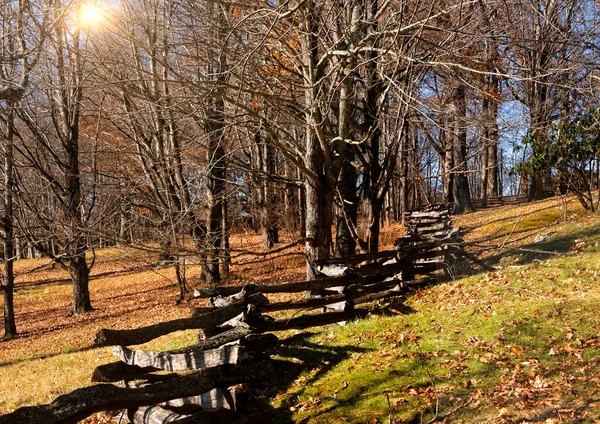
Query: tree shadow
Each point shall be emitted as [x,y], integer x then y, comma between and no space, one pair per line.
[296,355]
[107,274]
[545,249]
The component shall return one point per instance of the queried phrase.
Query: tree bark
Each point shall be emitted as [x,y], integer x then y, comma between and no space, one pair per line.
[492,188]
[319,186]
[448,164]
[77,243]
[7,286]
[215,190]
[462,193]
[228,354]
[216,154]
[225,255]
[308,321]
[403,157]
[347,210]
[264,164]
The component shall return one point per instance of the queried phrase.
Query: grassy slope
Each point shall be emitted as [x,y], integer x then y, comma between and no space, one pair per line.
[520,344]
[53,353]
[515,343]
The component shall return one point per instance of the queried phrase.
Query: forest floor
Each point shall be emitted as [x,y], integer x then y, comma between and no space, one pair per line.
[521,344]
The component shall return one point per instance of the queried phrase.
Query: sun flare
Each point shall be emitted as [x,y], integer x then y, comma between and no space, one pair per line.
[90,14]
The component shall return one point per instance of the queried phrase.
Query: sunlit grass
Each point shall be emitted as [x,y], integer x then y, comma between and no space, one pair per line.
[523,338]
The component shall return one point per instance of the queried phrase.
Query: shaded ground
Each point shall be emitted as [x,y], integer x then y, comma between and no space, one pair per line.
[516,345]
[53,353]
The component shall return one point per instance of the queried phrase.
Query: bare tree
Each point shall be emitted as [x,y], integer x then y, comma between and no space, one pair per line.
[21,42]
[57,135]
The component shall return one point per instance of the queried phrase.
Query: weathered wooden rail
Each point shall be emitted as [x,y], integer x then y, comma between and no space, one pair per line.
[194,384]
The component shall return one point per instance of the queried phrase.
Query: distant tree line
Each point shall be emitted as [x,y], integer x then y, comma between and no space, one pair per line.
[169,122]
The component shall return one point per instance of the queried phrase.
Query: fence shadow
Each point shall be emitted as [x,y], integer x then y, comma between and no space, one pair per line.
[296,355]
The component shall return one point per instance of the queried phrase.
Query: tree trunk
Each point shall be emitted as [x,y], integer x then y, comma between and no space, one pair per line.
[217,159]
[347,212]
[492,188]
[403,157]
[80,275]
[215,186]
[10,327]
[319,185]
[225,256]
[462,194]
[375,189]
[448,165]
[301,199]
[319,205]
[485,153]
[268,223]
[77,243]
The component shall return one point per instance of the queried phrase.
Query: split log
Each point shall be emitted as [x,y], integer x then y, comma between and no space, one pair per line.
[156,415]
[255,299]
[313,302]
[308,321]
[432,214]
[381,272]
[350,293]
[335,270]
[228,354]
[427,266]
[399,289]
[214,399]
[356,259]
[429,221]
[436,252]
[396,291]
[119,371]
[337,305]
[193,357]
[311,285]
[207,322]
[179,409]
[283,288]
[259,343]
[81,403]
[200,310]
[212,417]
[450,234]
[217,340]
[428,229]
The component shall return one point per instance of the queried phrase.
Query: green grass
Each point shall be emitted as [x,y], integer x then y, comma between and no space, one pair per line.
[516,343]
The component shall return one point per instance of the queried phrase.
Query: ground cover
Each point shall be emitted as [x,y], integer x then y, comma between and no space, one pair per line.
[521,344]
[54,353]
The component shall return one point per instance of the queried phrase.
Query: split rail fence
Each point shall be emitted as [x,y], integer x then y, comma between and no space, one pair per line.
[202,383]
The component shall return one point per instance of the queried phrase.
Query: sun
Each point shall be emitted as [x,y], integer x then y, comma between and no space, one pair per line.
[90,14]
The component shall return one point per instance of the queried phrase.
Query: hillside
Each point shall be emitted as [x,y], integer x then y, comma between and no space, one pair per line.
[516,345]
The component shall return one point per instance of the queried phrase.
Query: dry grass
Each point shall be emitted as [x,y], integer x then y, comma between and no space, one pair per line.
[521,222]
[54,354]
